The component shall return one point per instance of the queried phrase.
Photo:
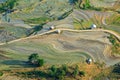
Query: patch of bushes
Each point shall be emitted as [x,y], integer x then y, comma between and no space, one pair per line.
[54,73]
[86,6]
[115,44]
[9,4]
[116,69]
[1,73]
[116,21]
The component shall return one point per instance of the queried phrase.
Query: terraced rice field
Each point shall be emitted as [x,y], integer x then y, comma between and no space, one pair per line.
[65,48]
[30,9]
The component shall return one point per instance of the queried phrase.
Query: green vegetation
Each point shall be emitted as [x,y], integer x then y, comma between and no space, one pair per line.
[117,21]
[1,73]
[81,73]
[9,4]
[34,60]
[76,71]
[54,72]
[12,32]
[65,15]
[86,5]
[114,20]
[40,62]
[114,28]
[116,69]
[57,73]
[82,25]
[115,72]
[112,73]
[115,44]
[41,20]
[38,27]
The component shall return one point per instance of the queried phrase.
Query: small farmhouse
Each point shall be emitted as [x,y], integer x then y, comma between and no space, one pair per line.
[89,61]
[93,26]
[52,27]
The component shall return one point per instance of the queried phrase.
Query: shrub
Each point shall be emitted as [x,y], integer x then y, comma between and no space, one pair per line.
[33,58]
[65,68]
[40,62]
[76,71]
[53,70]
[1,73]
[82,73]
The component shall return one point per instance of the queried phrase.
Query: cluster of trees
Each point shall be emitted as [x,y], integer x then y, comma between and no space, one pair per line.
[35,60]
[54,71]
[58,73]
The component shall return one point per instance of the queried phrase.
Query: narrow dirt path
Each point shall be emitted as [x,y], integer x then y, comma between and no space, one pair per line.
[62,29]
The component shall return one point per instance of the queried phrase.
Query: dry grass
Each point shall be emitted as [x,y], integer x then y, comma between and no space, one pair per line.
[91,71]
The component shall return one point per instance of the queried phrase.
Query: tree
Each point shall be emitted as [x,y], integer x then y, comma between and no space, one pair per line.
[53,68]
[65,68]
[40,62]
[57,73]
[76,71]
[60,74]
[53,71]
[33,58]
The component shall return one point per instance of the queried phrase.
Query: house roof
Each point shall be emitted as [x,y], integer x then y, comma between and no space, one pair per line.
[2,1]
[93,25]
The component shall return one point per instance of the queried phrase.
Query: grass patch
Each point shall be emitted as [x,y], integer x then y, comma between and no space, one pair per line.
[20,51]
[17,31]
[113,28]
[82,25]
[40,20]
[114,19]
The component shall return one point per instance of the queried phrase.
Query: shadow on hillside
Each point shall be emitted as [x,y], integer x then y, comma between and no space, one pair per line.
[17,64]
[71,1]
